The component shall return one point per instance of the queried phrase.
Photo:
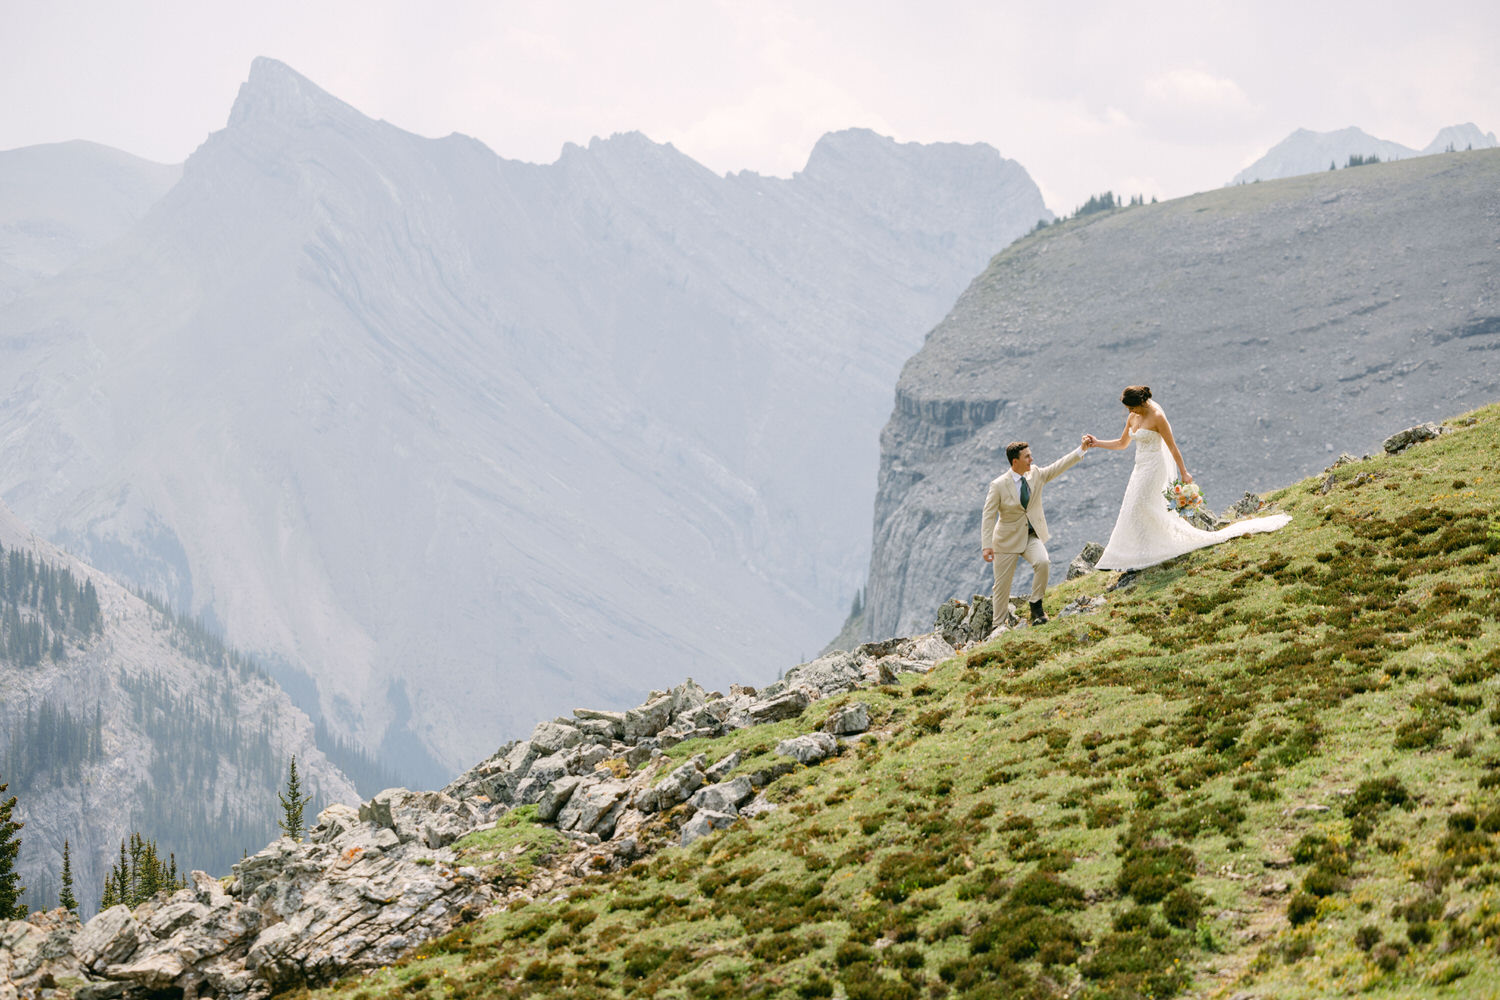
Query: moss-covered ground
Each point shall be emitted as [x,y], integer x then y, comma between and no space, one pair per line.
[1271,767]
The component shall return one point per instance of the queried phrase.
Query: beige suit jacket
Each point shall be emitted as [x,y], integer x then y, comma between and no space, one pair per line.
[1005,520]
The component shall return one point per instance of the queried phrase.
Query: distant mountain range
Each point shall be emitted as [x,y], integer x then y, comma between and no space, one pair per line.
[453,443]
[59,201]
[118,717]
[1278,324]
[1305,152]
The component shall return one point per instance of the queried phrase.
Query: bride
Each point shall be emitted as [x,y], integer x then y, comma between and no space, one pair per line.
[1146,532]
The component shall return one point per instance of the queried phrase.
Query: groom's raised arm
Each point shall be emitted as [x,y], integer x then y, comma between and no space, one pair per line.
[1049,472]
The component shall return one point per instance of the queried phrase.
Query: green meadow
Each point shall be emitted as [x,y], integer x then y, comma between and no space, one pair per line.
[1268,768]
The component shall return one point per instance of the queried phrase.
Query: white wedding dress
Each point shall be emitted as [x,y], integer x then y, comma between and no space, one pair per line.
[1147,532]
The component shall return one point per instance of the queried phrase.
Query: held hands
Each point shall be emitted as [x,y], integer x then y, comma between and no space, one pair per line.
[1089,441]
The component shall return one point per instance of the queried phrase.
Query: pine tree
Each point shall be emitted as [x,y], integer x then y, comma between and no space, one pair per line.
[65,898]
[11,907]
[292,803]
[139,875]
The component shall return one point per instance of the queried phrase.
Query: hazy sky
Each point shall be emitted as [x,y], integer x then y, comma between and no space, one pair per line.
[1160,98]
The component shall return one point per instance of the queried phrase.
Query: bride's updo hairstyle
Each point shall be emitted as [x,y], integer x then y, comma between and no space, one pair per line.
[1135,395]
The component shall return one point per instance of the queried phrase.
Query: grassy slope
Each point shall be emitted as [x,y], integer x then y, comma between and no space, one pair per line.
[1271,766]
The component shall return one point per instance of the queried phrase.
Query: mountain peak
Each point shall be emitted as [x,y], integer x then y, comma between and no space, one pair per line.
[276,91]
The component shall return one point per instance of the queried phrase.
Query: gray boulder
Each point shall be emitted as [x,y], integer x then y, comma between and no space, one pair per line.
[808,749]
[674,788]
[552,800]
[542,774]
[849,720]
[650,718]
[1246,505]
[333,822]
[110,938]
[832,674]
[431,817]
[979,621]
[1402,440]
[686,697]
[594,807]
[722,767]
[590,720]
[550,737]
[949,621]
[704,822]
[724,797]
[1084,563]
[786,705]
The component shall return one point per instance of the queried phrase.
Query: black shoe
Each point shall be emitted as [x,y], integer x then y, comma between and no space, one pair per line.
[1038,616]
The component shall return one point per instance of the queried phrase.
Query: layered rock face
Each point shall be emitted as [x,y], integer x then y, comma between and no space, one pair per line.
[450,438]
[1272,322]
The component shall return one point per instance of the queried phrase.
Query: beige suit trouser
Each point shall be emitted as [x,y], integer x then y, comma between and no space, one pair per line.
[1005,572]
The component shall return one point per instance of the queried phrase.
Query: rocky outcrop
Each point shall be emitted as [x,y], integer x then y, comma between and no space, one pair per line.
[1264,319]
[373,882]
[357,895]
[1402,440]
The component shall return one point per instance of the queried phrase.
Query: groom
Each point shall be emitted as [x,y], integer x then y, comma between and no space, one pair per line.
[1014,526]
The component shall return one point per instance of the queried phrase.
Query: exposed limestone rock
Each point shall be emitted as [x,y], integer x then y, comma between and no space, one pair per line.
[718,771]
[674,788]
[550,737]
[849,720]
[786,705]
[832,674]
[372,883]
[704,822]
[725,796]
[1082,606]
[593,808]
[808,749]
[551,801]
[111,937]
[431,817]
[649,719]
[1246,505]
[1402,440]
[979,621]
[1084,563]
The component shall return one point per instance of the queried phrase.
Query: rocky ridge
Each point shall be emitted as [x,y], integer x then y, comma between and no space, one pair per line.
[370,884]
[1270,320]
[1307,152]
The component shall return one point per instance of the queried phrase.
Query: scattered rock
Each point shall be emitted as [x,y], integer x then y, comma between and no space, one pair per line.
[1402,440]
[786,705]
[649,719]
[1344,459]
[849,720]
[808,749]
[1248,504]
[704,822]
[725,796]
[1084,563]
[723,767]
[1083,606]
[832,674]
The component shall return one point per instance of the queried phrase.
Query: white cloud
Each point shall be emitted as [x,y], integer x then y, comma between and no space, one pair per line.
[1197,91]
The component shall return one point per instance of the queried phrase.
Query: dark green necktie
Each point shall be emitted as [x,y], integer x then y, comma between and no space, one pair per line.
[1025,494]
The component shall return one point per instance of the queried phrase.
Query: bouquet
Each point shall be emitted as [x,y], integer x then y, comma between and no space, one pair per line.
[1184,499]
